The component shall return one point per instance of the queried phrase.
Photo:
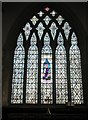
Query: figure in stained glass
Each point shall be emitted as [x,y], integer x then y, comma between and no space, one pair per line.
[46,70]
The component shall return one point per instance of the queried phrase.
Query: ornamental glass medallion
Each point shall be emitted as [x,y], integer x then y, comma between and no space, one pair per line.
[40,30]
[53,30]
[66,29]
[27,29]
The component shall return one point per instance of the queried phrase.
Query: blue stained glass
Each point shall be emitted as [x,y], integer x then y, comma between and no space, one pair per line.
[46,70]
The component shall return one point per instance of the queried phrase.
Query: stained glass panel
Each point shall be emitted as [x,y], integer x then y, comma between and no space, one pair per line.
[53,13]
[34,20]
[42,20]
[75,72]
[66,29]
[46,72]
[32,72]
[47,19]
[18,72]
[40,13]
[27,29]
[60,19]
[53,29]
[40,29]
[61,72]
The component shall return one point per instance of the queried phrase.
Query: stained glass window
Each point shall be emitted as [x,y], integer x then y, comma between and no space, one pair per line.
[61,72]
[42,30]
[18,72]
[75,72]
[46,72]
[32,72]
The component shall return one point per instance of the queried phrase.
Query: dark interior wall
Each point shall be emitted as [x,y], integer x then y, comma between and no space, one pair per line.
[15,15]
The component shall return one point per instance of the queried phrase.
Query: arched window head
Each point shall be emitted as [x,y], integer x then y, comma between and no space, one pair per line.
[33,40]
[20,40]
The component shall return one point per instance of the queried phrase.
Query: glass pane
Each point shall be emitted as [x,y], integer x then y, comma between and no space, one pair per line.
[61,72]
[32,73]
[18,72]
[46,72]
[75,72]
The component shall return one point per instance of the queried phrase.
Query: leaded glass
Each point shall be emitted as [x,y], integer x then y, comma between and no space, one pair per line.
[18,72]
[27,30]
[48,22]
[66,29]
[32,72]
[60,19]
[47,19]
[53,13]
[61,72]
[40,29]
[34,20]
[40,13]
[47,9]
[53,29]
[75,72]
[46,72]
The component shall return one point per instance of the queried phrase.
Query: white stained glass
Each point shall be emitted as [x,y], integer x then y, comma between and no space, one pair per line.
[61,72]
[27,30]
[66,29]
[47,9]
[53,13]
[40,13]
[34,20]
[60,19]
[47,19]
[32,73]
[46,72]
[75,72]
[53,29]
[18,72]
[40,29]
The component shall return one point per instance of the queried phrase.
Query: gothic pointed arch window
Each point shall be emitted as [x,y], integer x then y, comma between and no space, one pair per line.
[18,72]
[75,72]
[46,72]
[61,72]
[46,80]
[32,72]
